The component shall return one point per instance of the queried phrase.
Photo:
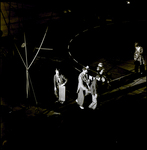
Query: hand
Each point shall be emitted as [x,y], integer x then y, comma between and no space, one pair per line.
[55,89]
[103,79]
[62,84]
[87,92]
[90,77]
[98,78]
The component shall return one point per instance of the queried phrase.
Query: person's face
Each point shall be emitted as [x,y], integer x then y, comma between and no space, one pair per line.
[57,72]
[136,44]
[85,71]
[100,65]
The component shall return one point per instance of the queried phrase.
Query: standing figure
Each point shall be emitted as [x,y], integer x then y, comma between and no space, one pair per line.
[101,77]
[97,86]
[59,86]
[104,77]
[100,69]
[94,93]
[83,88]
[138,58]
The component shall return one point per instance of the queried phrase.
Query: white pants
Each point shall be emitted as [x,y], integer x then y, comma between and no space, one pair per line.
[94,102]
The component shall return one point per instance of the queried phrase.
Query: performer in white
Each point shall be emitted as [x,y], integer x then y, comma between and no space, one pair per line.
[138,58]
[59,86]
[83,87]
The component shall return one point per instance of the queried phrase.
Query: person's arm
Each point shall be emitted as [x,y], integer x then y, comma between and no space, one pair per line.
[98,78]
[65,81]
[136,56]
[141,50]
[81,83]
[55,88]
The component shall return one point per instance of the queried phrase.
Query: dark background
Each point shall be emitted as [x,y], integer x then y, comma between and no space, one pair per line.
[120,121]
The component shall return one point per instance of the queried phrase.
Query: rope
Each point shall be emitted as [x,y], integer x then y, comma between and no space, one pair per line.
[39,48]
[27,78]
[33,89]
[20,56]
[25,50]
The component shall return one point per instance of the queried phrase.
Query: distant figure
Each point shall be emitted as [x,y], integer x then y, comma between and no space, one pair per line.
[138,58]
[83,87]
[59,86]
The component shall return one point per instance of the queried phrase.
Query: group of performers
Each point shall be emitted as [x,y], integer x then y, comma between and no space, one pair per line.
[90,85]
[87,84]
